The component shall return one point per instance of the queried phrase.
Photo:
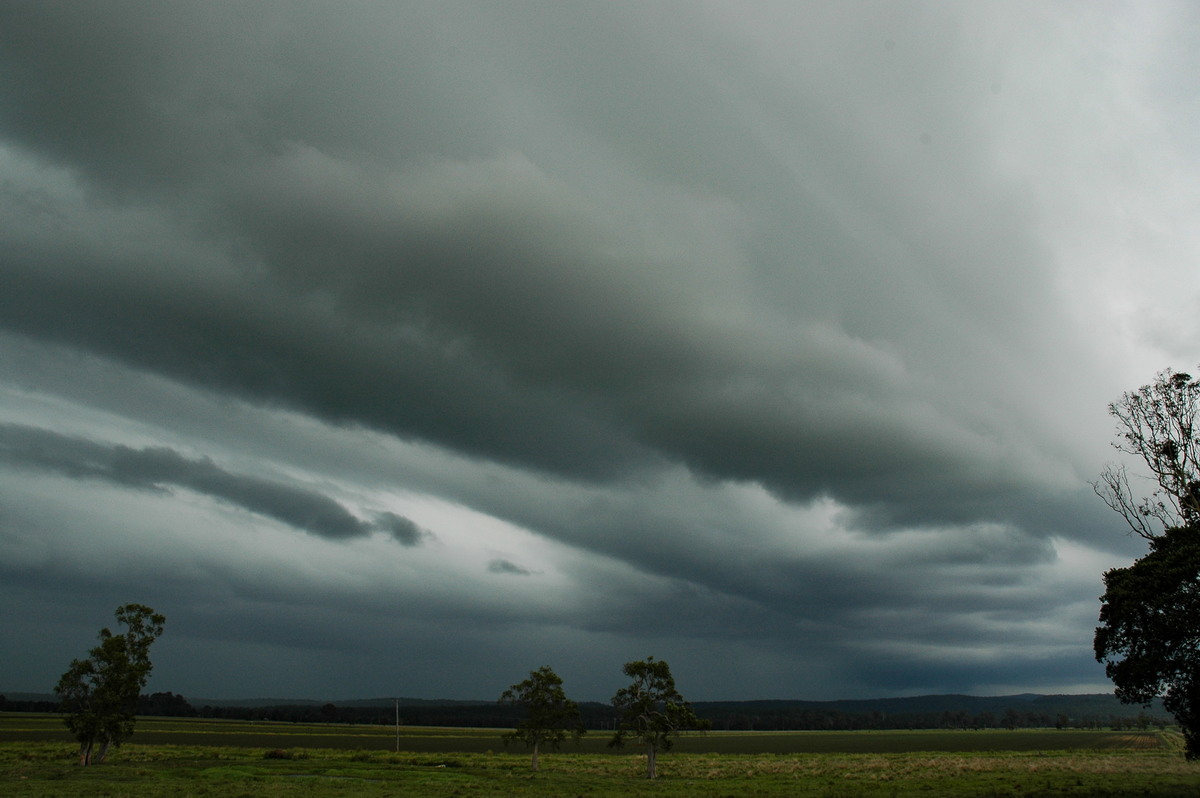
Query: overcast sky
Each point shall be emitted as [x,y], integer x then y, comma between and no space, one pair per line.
[403,348]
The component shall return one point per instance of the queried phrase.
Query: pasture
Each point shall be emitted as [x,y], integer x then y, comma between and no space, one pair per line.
[222,758]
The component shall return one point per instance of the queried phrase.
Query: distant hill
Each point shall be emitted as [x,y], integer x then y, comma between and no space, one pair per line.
[931,711]
[1069,704]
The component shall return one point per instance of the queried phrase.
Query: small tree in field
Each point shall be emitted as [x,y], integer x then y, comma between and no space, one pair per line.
[550,716]
[652,711]
[99,694]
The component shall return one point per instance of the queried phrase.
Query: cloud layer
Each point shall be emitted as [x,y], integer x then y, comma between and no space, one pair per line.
[540,333]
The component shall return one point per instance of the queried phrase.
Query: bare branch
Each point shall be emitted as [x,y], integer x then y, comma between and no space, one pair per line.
[1113,489]
[1158,423]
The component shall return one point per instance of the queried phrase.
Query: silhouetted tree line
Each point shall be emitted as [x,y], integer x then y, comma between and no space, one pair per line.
[470,715]
[602,716]
[165,705]
[27,706]
[724,716]
[162,704]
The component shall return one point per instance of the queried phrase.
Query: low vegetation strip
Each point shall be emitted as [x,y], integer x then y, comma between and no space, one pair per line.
[274,735]
[36,769]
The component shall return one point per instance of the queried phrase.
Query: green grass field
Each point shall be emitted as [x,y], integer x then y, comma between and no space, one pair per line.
[221,758]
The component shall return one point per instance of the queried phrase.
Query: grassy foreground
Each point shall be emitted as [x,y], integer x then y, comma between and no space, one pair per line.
[434,763]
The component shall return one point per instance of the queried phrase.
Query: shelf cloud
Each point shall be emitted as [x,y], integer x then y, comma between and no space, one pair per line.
[773,340]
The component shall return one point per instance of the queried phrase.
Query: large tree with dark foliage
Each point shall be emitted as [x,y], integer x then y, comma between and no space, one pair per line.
[99,694]
[1149,632]
[549,715]
[652,711]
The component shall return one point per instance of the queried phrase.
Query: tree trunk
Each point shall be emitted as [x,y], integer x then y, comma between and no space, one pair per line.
[535,757]
[651,762]
[85,753]
[99,757]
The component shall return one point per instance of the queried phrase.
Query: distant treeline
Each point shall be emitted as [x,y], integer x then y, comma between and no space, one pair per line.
[924,712]
[163,704]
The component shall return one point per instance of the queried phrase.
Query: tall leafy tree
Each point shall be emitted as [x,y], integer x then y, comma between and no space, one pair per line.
[550,717]
[99,694]
[1149,632]
[651,711]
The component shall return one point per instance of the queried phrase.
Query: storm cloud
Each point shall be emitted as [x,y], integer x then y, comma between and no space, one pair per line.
[775,335]
[155,467]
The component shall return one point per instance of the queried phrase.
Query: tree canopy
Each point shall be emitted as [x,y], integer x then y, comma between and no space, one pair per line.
[550,716]
[651,710]
[99,694]
[1149,632]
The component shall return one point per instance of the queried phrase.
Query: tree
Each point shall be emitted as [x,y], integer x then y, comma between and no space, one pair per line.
[1157,423]
[651,710]
[1149,632]
[99,694]
[550,716]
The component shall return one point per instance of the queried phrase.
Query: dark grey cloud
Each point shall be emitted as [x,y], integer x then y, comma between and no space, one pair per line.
[781,333]
[500,565]
[519,315]
[585,380]
[156,467]
[402,529]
